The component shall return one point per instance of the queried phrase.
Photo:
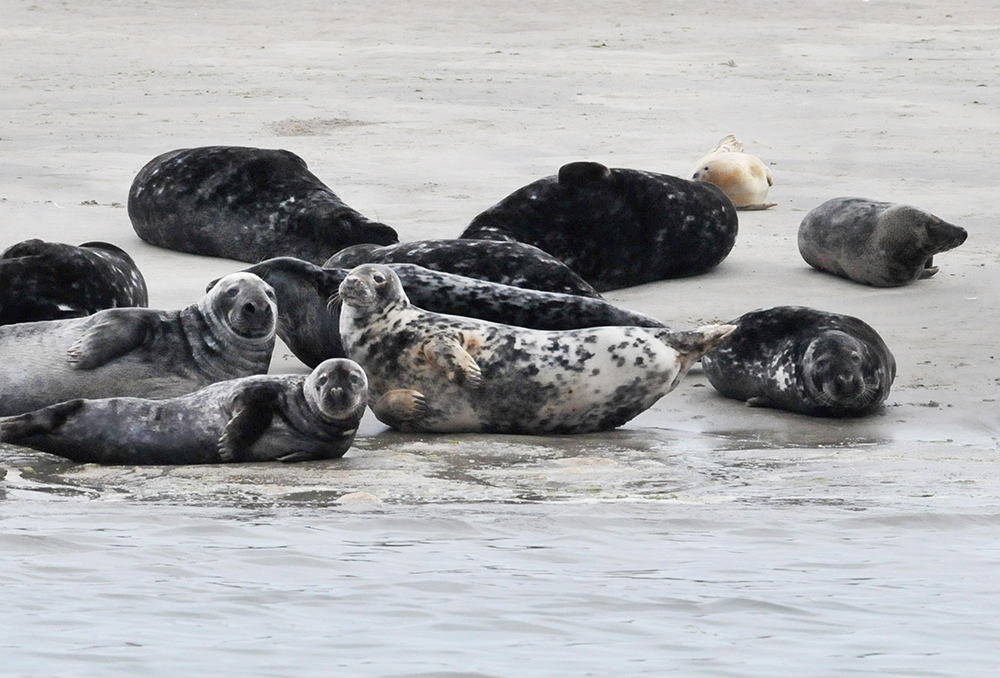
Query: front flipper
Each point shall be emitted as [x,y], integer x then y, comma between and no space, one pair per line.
[447,352]
[253,411]
[399,407]
[760,206]
[117,332]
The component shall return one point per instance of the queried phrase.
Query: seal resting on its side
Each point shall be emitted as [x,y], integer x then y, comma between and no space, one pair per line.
[260,418]
[444,373]
[803,360]
[741,176]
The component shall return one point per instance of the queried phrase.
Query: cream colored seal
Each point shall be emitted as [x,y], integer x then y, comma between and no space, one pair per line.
[742,177]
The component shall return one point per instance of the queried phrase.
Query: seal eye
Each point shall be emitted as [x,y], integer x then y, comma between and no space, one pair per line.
[378,278]
[322,380]
[355,378]
[232,292]
[270,294]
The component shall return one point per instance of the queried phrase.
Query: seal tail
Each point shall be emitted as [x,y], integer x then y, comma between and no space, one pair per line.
[19,428]
[693,344]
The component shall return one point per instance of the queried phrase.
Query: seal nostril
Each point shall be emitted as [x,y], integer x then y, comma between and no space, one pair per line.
[249,308]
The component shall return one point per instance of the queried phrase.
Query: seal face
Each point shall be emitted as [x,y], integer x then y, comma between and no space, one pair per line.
[257,418]
[140,352]
[247,204]
[876,243]
[48,281]
[444,373]
[742,177]
[803,360]
[616,227]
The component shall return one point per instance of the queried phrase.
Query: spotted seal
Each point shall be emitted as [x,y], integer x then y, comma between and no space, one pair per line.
[742,177]
[140,352]
[444,373]
[50,280]
[882,244]
[247,204]
[616,227]
[803,360]
[259,418]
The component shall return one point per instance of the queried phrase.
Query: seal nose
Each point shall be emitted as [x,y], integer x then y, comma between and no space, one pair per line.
[848,384]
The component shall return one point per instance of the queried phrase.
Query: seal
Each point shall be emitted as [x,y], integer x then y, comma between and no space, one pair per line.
[259,418]
[616,227]
[247,204]
[882,244]
[803,360]
[507,263]
[49,280]
[741,176]
[139,352]
[310,325]
[444,373]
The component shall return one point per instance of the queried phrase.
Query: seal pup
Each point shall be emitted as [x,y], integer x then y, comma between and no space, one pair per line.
[140,352]
[51,280]
[616,227]
[246,204]
[803,360]
[260,418]
[507,263]
[309,323]
[882,244]
[444,373]
[741,176]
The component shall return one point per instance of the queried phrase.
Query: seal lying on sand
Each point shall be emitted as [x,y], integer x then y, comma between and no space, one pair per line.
[259,418]
[742,177]
[803,360]
[616,227]
[876,243]
[246,204]
[139,352]
[444,373]
[50,280]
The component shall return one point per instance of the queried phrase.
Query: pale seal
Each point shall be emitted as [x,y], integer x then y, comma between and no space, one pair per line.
[443,373]
[882,244]
[260,418]
[140,352]
[247,204]
[616,227]
[803,360]
[744,178]
[50,280]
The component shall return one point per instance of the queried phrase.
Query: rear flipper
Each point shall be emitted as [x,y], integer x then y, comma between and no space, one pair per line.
[40,422]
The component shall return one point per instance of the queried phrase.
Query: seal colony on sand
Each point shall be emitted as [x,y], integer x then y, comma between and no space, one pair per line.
[507,263]
[247,204]
[803,360]
[49,280]
[876,243]
[444,373]
[260,418]
[742,177]
[140,352]
[616,227]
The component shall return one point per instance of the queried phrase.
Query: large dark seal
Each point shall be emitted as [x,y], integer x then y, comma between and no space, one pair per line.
[507,263]
[260,418]
[50,280]
[140,352]
[877,243]
[803,360]
[617,227]
[247,204]
[444,373]
[309,323]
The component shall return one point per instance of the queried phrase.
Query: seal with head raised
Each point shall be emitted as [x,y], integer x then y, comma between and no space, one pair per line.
[616,227]
[50,280]
[741,176]
[444,373]
[247,204]
[876,243]
[140,352]
[259,418]
[803,360]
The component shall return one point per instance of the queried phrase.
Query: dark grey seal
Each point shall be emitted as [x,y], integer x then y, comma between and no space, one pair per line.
[247,204]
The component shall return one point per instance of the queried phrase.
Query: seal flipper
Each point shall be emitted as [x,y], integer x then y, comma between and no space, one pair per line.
[929,268]
[40,422]
[116,333]
[253,411]
[583,173]
[448,353]
[398,407]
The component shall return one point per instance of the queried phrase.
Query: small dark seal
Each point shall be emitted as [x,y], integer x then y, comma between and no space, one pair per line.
[260,418]
[50,281]
[803,360]
[247,204]
[617,227]
[876,243]
[444,373]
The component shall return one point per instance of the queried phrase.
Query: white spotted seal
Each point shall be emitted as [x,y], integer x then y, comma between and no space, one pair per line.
[803,360]
[260,418]
[616,227]
[50,280]
[882,244]
[247,204]
[140,352]
[443,373]
[741,176]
